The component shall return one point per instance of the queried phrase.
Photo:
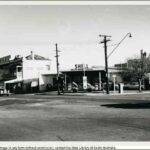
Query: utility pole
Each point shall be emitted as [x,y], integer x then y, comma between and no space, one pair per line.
[57,64]
[106,59]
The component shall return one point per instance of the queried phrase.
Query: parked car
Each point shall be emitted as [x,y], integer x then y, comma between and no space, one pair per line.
[132,86]
[90,87]
[3,91]
[76,87]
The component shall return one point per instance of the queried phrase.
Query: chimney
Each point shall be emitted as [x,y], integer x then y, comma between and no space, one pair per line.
[32,55]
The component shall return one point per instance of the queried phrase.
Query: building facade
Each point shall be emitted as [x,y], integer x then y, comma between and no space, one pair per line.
[95,76]
[33,74]
[26,74]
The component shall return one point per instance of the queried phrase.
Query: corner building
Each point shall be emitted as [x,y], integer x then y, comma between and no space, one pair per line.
[25,74]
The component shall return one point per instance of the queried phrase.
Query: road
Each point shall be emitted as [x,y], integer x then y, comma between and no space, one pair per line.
[75,118]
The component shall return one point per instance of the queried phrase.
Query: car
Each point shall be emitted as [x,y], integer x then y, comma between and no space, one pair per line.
[132,86]
[79,87]
[90,87]
[75,87]
[3,92]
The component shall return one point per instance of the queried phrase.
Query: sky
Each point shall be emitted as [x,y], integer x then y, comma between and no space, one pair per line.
[76,30]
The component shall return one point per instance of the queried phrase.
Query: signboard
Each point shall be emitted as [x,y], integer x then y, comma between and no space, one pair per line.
[5,59]
[34,83]
[84,82]
[81,66]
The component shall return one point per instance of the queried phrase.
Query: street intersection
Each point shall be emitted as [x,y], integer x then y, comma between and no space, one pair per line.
[75,117]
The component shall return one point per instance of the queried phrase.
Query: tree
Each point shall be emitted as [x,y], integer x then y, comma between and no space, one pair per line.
[136,68]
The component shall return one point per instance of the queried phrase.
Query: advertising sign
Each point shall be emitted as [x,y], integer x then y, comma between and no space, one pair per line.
[34,83]
[81,66]
[84,82]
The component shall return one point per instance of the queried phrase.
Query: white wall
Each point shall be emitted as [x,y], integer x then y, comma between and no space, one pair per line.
[33,68]
[36,69]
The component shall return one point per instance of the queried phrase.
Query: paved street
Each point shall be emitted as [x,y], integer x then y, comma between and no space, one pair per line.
[75,118]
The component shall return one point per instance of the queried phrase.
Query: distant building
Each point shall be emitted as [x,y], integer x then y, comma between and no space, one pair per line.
[121,65]
[25,74]
[130,62]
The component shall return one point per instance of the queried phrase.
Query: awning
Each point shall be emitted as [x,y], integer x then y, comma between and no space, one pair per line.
[20,80]
[14,81]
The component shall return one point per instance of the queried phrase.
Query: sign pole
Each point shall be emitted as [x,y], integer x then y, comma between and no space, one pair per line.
[114,80]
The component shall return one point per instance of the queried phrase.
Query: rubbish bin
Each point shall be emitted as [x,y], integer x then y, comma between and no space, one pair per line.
[121,87]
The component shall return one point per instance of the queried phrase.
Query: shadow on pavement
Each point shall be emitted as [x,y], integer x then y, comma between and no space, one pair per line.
[129,105]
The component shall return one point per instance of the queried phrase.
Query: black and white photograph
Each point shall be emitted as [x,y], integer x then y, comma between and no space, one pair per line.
[75,72]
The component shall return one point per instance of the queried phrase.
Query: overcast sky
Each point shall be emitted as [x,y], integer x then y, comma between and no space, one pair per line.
[76,29]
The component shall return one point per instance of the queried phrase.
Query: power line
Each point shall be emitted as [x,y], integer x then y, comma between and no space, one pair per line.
[77,43]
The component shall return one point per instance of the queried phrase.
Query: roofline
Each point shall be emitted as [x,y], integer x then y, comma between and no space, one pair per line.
[12,61]
[96,69]
[80,70]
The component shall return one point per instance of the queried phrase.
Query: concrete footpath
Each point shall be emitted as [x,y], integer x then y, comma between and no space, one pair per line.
[96,93]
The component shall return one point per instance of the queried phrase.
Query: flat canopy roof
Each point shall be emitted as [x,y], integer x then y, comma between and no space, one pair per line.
[93,70]
[82,70]
[20,80]
[14,81]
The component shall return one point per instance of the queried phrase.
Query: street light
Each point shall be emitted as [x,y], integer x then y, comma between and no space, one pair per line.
[106,57]
[128,34]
